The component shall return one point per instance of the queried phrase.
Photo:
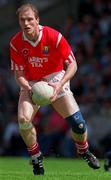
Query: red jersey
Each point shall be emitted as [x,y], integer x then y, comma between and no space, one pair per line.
[43,57]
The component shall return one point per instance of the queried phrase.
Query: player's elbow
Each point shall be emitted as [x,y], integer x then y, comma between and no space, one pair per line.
[74,66]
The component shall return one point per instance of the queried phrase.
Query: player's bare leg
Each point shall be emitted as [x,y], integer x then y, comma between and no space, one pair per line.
[67,107]
[26,112]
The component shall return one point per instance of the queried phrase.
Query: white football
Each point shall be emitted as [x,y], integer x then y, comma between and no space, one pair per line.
[41,93]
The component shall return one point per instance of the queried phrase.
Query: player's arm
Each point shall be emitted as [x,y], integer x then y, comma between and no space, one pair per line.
[18,66]
[68,57]
[23,83]
[71,69]
[69,73]
[65,52]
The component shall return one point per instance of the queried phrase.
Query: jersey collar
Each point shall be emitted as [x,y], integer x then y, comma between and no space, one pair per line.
[38,40]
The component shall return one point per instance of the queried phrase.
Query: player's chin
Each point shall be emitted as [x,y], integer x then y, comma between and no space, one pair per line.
[28,32]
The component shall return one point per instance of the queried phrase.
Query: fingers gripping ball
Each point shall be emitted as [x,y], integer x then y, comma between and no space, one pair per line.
[41,93]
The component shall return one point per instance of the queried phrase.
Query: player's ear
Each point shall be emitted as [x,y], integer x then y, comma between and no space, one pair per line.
[38,20]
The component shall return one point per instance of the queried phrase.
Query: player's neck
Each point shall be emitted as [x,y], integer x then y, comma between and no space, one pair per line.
[35,36]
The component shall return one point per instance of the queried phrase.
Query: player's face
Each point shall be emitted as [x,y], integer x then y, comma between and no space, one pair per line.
[29,23]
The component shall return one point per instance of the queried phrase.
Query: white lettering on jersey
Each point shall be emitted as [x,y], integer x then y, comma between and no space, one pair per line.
[37,61]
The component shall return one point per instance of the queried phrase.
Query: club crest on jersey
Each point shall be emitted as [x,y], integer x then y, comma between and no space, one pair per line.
[45,50]
[25,52]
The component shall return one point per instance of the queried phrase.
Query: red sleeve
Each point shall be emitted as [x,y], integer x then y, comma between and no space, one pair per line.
[17,62]
[64,49]
[61,45]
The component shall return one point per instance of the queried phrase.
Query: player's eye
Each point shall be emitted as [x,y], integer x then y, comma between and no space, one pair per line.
[22,19]
[29,19]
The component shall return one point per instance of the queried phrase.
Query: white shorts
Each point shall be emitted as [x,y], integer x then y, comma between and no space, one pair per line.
[70,104]
[54,78]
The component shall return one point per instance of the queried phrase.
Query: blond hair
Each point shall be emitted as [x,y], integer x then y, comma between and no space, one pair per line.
[28,6]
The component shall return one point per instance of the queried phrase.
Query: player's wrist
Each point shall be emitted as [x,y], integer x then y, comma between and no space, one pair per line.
[26,88]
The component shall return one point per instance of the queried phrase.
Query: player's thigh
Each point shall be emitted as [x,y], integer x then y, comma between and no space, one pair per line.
[66,105]
[25,106]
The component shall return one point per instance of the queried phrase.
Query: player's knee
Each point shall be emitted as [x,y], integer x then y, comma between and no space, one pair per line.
[24,123]
[77,123]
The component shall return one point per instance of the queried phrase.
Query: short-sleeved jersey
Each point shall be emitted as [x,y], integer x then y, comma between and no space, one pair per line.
[43,57]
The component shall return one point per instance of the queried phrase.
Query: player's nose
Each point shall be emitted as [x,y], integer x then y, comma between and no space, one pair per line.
[26,22]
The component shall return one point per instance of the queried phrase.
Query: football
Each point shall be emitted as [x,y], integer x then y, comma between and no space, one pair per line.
[41,93]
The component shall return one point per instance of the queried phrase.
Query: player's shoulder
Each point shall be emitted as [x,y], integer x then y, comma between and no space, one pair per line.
[50,30]
[16,38]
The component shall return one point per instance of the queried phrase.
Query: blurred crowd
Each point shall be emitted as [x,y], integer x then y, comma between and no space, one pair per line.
[90,40]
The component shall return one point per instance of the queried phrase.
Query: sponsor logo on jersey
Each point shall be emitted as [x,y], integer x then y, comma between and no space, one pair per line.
[37,61]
